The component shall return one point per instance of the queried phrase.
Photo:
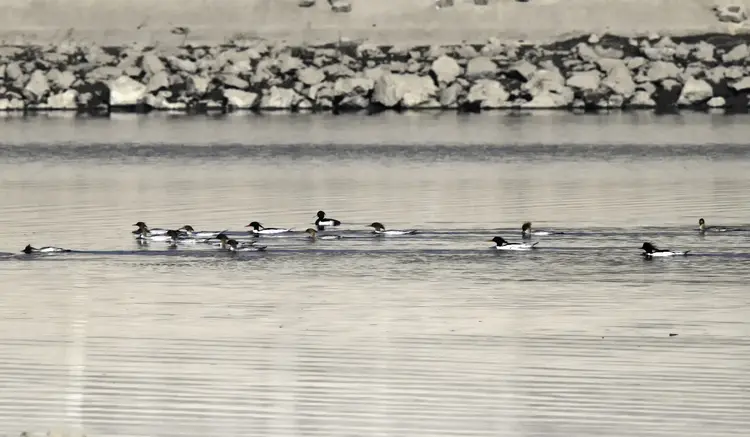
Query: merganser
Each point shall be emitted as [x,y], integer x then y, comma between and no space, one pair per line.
[259,229]
[380,230]
[142,228]
[232,245]
[501,244]
[702,228]
[314,235]
[171,236]
[322,221]
[526,231]
[192,233]
[46,249]
[650,251]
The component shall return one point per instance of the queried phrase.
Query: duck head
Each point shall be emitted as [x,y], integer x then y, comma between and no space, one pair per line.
[312,232]
[222,237]
[526,228]
[255,225]
[187,228]
[648,247]
[377,226]
[28,249]
[500,241]
[321,215]
[702,224]
[141,228]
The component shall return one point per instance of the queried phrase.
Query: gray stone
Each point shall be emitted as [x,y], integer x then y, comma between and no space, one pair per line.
[730,13]
[13,71]
[642,99]
[240,99]
[716,102]
[125,91]
[704,52]
[586,53]
[60,80]
[197,85]
[618,80]
[279,98]
[409,90]
[310,76]
[585,80]
[151,64]
[158,81]
[523,68]
[448,97]
[737,54]
[742,84]
[66,100]
[695,91]
[103,74]
[489,94]
[341,6]
[446,69]
[37,85]
[233,81]
[180,64]
[305,3]
[481,67]
[660,70]
[349,86]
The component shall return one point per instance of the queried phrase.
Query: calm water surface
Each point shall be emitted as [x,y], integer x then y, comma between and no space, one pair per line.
[427,335]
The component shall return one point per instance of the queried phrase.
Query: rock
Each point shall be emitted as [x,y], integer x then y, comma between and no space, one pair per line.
[731,13]
[586,53]
[584,80]
[305,3]
[443,3]
[741,85]
[233,81]
[618,79]
[354,102]
[126,91]
[481,67]
[157,82]
[407,90]
[37,86]
[635,63]
[240,99]
[448,97]
[279,98]
[103,74]
[716,102]
[642,99]
[488,94]
[184,65]
[151,64]
[66,100]
[13,71]
[695,91]
[161,102]
[351,86]
[12,104]
[341,6]
[704,52]
[524,69]
[660,70]
[737,54]
[310,76]
[197,85]
[446,69]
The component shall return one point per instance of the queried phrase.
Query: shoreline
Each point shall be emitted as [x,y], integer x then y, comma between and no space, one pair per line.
[583,74]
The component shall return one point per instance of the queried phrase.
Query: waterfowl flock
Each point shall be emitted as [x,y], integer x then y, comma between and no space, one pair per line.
[186,234]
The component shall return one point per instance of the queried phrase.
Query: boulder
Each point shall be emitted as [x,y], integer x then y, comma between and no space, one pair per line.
[695,91]
[642,99]
[523,69]
[310,76]
[158,81]
[197,85]
[488,94]
[730,13]
[352,86]
[584,80]
[151,64]
[233,81]
[407,90]
[481,67]
[37,85]
[279,98]
[704,52]
[737,54]
[66,100]
[446,69]
[742,84]
[160,101]
[448,97]
[660,70]
[240,99]
[716,102]
[125,91]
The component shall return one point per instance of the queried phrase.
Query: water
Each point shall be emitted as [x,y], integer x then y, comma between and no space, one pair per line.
[429,335]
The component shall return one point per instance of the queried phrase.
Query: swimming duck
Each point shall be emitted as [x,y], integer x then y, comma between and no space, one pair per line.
[259,229]
[322,221]
[192,233]
[314,235]
[232,245]
[650,251]
[501,244]
[702,228]
[171,236]
[380,230]
[527,232]
[143,229]
[46,249]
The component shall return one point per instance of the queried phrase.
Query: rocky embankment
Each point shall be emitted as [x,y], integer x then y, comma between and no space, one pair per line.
[710,71]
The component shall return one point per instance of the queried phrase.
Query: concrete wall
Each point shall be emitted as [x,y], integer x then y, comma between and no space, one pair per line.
[386,21]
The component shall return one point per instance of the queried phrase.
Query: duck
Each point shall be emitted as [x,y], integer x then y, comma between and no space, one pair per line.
[192,233]
[143,229]
[259,229]
[702,228]
[171,236]
[314,235]
[649,250]
[323,221]
[226,243]
[527,232]
[46,249]
[501,244]
[380,230]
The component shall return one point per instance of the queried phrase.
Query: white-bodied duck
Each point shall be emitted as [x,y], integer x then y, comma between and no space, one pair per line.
[323,221]
[313,235]
[649,251]
[232,245]
[143,229]
[502,244]
[379,229]
[527,232]
[258,229]
[199,235]
[46,249]
[702,228]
